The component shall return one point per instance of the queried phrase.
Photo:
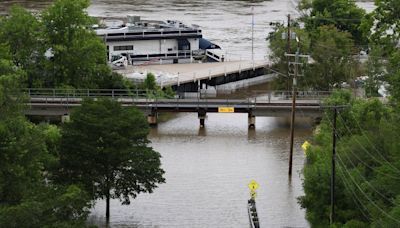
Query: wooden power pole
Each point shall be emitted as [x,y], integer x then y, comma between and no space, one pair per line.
[333,172]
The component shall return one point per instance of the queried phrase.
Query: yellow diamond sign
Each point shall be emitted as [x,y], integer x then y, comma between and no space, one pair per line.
[306,145]
[253,185]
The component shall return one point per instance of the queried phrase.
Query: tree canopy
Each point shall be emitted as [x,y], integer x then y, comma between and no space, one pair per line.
[58,48]
[345,15]
[28,196]
[105,148]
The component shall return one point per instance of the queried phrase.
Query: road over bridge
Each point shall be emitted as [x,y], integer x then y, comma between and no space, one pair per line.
[53,102]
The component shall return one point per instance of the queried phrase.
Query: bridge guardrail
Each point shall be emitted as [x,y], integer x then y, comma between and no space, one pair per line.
[151,99]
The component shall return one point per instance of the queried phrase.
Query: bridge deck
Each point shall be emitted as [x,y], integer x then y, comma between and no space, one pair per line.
[184,73]
[54,102]
[60,106]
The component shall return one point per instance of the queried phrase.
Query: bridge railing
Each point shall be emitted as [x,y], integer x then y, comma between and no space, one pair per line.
[92,93]
[156,98]
[269,96]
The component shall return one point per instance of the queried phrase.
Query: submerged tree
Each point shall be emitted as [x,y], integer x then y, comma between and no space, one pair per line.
[105,148]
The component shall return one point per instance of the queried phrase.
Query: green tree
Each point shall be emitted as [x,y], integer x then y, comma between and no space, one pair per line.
[22,33]
[367,189]
[150,82]
[79,56]
[105,148]
[48,206]
[28,153]
[385,22]
[278,48]
[345,15]
[332,52]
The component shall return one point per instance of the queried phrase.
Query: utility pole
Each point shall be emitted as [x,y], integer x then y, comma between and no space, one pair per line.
[288,47]
[252,34]
[288,36]
[295,74]
[333,172]
[294,90]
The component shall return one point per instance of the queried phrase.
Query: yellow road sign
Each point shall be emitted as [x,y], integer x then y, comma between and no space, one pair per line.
[226,109]
[253,185]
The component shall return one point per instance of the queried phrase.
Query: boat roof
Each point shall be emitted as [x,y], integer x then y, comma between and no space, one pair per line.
[135,24]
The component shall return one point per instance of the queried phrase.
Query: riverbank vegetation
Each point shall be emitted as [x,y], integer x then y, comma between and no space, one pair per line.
[51,176]
[334,34]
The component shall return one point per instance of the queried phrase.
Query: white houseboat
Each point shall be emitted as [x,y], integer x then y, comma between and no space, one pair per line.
[139,41]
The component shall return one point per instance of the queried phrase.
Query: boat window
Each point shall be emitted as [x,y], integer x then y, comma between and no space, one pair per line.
[191,31]
[123,48]
[115,34]
[133,33]
[152,33]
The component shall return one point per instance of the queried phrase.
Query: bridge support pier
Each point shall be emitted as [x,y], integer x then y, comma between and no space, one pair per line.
[202,115]
[152,119]
[251,120]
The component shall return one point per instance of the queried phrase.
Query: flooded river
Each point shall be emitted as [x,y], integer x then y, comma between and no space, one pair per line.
[207,170]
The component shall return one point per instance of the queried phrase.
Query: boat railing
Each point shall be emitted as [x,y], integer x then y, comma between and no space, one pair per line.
[150,33]
[177,54]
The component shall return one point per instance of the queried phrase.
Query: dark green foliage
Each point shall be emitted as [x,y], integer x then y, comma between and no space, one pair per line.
[22,33]
[332,53]
[385,22]
[150,82]
[278,47]
[169,92]
[155,91]
[367,166]
[58,49]
[50,207]
[342,14]
[330,49]
[104,148]
[79,55]
[28,155]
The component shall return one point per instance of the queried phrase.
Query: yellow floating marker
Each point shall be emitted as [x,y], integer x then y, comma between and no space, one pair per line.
[305,146]
[253,185]
[226,109]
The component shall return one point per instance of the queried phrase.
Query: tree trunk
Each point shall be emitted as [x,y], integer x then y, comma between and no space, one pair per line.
[108,207]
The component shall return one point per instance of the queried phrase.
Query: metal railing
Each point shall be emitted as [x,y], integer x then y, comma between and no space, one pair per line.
[151,33]
[92,93]
[152,99]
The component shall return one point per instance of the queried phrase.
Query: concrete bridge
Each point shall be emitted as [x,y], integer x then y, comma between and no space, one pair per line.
[55,102]
[193,77]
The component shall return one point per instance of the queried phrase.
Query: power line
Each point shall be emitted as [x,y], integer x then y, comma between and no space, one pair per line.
[367,182]
[366,196]
[355,197]
[362,146]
